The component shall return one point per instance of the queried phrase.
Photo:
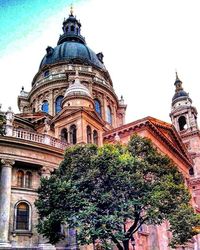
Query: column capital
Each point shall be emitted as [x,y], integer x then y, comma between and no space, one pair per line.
[45,171]
[7,162]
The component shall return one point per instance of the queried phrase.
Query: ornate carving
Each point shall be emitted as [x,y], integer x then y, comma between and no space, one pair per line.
[7,162]
[44,171]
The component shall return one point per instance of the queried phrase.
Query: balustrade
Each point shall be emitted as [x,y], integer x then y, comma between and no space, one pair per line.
[39,138]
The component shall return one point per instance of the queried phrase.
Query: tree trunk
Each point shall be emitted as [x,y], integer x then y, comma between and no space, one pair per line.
[126,244]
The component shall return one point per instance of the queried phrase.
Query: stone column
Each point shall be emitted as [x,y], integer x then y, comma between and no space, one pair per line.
[5,196]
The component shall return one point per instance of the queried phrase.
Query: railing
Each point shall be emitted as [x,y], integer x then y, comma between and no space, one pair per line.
[62,75]
[51,77]
[39,138]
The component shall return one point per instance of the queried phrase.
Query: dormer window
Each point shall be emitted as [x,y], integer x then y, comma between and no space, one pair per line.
[46,73]
[49,51]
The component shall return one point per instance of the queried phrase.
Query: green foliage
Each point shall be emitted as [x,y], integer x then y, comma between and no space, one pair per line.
[2,124]
[96,190]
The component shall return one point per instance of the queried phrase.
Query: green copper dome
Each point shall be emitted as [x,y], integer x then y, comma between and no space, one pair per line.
[70,52]
[72,48]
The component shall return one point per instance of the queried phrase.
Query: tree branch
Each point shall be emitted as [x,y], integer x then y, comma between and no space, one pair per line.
[131,229]
[116,242]
[139,225]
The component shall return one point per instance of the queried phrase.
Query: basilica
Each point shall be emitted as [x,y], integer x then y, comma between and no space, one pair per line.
[72,101]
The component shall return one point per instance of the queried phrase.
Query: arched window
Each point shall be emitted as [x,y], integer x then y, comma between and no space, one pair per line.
[97,106]
[72,28]
[109,115]
[89,134]
[73,138]
[95,137]
[28,179]
[182,123]
[58,103]
[20,178]
[45,106]
[22,216]
[64,135]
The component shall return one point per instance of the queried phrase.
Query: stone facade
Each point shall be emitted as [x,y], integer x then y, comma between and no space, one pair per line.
[72,100]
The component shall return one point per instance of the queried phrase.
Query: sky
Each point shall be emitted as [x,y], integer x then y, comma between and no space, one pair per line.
[143,41]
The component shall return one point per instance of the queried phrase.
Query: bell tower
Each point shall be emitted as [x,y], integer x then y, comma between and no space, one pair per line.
[184,119]
[183,114]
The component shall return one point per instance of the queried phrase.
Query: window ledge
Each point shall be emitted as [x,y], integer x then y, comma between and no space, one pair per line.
[22,232]
[24,188]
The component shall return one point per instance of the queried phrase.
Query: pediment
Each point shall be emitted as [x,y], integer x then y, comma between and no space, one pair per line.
[159,130]
[69,112]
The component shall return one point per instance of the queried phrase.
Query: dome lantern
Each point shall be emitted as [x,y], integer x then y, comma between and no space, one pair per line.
[71,30]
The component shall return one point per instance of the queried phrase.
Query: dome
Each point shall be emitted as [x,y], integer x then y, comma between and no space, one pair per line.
[71,51]
[77,89]
[180,93]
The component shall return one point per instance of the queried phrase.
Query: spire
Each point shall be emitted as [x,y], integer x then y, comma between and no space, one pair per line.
[71,10]
[177,78]
[178,83]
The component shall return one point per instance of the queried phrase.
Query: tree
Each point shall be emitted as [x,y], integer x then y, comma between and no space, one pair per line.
[96,190]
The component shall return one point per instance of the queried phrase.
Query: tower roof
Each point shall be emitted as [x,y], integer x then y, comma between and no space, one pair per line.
[179,91]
